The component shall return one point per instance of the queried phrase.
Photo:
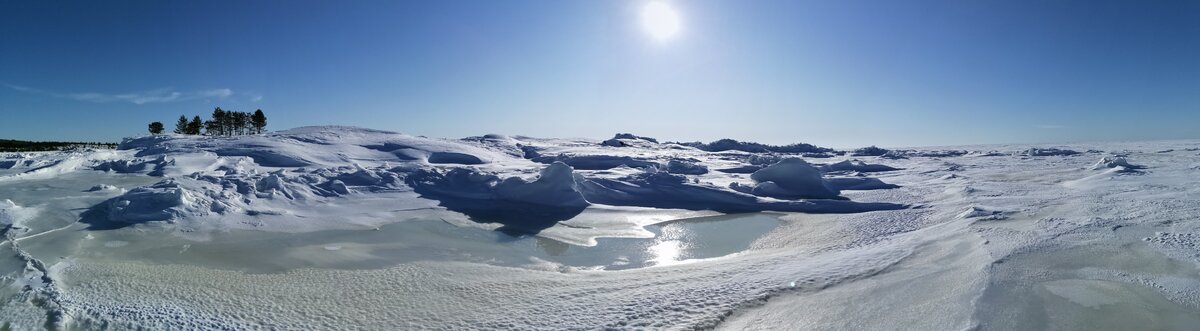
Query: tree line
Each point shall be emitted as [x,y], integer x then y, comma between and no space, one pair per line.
[7,145]
[223,123]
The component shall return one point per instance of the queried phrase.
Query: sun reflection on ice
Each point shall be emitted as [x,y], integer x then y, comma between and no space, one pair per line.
[670,248]
[666,252]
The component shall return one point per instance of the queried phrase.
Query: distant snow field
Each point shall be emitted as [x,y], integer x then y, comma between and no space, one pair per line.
[350,228]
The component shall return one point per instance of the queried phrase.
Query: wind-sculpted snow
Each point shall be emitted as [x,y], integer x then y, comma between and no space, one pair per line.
[752,147]
[596,162]
[319,146]
[522,206]
[1048,152]
[160,202]
[11,213]
[665,190]
[686,167]
[856,165]
[869,151]
[629,140]
[346,228]
[1115,162]
[792,179]
[222,182]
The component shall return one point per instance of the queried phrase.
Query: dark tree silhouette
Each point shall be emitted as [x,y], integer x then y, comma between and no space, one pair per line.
[195,125]
[216,126]
[181,126]
[156,128]
[237,123]
[259,120]
[227,123]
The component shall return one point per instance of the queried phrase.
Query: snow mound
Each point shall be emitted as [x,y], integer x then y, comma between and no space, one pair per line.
[747,169]
[790,179]
[1048,152]
[983,213]
[753,147]
[322,146]
[869,151]
[659,189]
[686,167]
[1113,162]
[211,200]
[21,162]
[856,165]
[628,140]
[904,154]
[554,186]
[986,153]
[163,201]
[858,183]
[763,159]
[102,187]
[522,206]
[596,162]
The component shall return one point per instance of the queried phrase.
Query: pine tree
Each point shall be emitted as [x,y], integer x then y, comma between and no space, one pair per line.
[195,126]
[218,124]
[181,126]
[156,128]
[238,123]
[246,125]
[211,128]
[259,120]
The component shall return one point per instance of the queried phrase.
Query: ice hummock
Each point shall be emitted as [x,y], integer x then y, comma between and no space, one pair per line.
[790,179]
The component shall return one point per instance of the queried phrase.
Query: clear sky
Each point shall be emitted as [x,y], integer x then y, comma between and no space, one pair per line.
[834,73]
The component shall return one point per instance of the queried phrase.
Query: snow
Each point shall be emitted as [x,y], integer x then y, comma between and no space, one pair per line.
[856,165]
[13,214]
[160,202]
[1109,162]
[366,229]
[629,140]
[790,179]
[869,151]
[686,167]
[1048,152]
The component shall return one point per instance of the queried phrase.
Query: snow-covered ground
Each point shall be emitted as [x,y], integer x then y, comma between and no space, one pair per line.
[349,228]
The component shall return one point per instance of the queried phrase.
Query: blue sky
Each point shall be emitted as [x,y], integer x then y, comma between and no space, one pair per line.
[833,73]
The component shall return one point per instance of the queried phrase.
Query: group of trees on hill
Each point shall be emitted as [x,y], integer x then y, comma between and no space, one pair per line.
[223,123]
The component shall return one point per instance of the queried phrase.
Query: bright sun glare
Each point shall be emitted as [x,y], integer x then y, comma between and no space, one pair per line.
[660,20]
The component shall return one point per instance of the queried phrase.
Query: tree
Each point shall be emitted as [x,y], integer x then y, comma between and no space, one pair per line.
[244,124]
[216,127]
[211,128]
[156,128]
[259,120]
[236,121]
[195,125]
[181,126]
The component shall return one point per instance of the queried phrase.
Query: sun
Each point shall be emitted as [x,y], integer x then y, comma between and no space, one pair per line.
[660,21]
